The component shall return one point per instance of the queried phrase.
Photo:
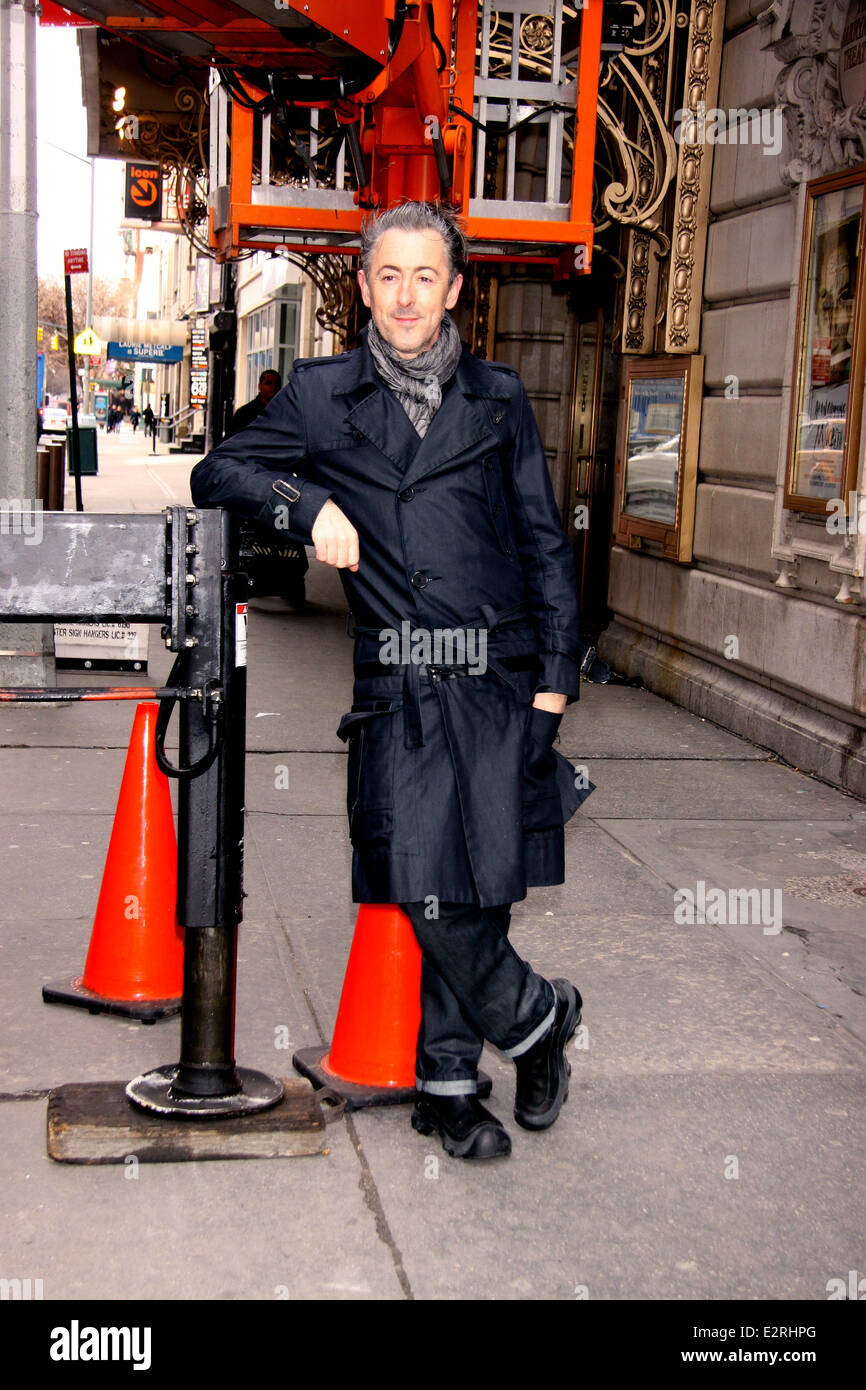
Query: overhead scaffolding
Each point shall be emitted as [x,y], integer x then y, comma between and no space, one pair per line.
[323,109]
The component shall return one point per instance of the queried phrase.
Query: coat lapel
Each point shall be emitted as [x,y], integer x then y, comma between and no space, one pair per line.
[461,423]
[380,417]
[372,410]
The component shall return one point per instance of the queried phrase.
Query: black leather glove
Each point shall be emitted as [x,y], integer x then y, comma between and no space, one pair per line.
[541,729]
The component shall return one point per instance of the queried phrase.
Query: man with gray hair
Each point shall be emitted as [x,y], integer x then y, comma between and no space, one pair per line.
[419,473]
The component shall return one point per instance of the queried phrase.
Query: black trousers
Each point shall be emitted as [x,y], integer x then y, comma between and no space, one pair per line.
[474,986]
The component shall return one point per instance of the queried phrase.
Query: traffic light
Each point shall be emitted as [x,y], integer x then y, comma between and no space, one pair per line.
[55,341]
[39,334]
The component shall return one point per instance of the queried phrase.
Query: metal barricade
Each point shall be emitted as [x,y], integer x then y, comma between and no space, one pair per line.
[180,568]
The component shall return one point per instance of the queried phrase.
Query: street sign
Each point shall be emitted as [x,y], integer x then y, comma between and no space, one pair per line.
[198,366]
[144,352]
[143,191]
[87,344]
[101,646]
[75,262]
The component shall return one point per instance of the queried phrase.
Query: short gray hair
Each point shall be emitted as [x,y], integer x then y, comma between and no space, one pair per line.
[416,217]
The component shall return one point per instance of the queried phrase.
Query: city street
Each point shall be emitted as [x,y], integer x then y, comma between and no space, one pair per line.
[548,323]
[712,1144]
[132,478]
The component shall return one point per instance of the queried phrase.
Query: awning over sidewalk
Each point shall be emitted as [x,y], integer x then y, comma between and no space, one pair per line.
[157,332]
[143,352]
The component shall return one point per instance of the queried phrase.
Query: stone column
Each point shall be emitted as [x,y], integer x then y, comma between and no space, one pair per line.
[26,650]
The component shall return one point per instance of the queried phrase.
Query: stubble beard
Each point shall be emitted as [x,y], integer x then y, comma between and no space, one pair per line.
[415,352]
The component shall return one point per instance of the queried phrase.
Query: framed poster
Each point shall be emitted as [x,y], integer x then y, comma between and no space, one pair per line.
[827,380]
[657,460]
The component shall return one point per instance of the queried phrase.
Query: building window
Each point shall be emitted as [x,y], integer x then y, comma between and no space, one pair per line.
[260,347]
[272,339]
[827,380]
[657,456]
[287,337]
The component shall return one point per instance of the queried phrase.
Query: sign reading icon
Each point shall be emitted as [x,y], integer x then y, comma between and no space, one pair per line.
[87,344]
[143,191]
[75,262]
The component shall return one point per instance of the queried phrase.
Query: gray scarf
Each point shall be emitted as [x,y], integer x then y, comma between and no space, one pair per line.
[417,382]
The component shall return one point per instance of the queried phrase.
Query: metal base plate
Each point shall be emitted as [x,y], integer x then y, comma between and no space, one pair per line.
[153,1091]
[308,1061]
[145,1010]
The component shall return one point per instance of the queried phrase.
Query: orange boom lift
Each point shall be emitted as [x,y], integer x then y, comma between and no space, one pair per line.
[385,100]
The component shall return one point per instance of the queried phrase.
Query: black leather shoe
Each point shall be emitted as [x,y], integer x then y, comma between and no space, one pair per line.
[543,1072]
[466,1129]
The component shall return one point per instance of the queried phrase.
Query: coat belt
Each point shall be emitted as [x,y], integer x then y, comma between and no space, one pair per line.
[412,671]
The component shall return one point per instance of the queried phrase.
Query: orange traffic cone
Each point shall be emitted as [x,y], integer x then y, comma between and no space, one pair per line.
[135,963]
[380,1007]
[371,1060]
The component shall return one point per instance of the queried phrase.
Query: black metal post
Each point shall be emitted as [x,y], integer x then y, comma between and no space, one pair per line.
[211,819]
[73,396]
[206,1080]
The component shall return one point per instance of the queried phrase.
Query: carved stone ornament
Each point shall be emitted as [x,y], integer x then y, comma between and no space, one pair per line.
[694,173]
[822,85]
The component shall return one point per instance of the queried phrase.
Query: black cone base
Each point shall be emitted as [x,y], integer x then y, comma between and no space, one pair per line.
[145,1010]
[308,1061]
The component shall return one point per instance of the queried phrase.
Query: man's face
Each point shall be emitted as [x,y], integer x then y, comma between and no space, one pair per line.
[268,387]
[407,290]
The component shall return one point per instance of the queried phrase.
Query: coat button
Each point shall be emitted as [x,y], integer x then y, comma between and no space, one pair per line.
[407,494]
[420,579]
[488,464]
[497,509]
[497,417]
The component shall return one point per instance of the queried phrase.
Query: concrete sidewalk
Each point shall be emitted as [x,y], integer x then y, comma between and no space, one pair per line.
[712,1145]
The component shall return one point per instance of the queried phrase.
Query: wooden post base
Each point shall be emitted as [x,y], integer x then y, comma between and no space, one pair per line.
[94,1122]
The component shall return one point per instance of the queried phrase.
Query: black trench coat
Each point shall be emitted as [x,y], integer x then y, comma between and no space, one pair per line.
[458,531]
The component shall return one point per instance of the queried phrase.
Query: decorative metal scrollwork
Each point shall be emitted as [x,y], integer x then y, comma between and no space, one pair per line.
[536,34]
[178,146]
[647,159]
[334,278]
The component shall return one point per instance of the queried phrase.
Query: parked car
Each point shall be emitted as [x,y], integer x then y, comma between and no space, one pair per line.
[651,481]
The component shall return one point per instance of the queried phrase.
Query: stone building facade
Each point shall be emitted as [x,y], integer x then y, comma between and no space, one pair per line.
[764,631]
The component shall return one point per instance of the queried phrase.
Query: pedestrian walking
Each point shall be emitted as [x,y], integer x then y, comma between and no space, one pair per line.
[418,470]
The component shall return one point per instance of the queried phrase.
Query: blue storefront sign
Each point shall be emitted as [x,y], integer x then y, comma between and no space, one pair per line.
[144,352]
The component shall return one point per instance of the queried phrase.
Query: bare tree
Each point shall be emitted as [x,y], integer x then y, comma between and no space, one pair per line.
[109,298]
